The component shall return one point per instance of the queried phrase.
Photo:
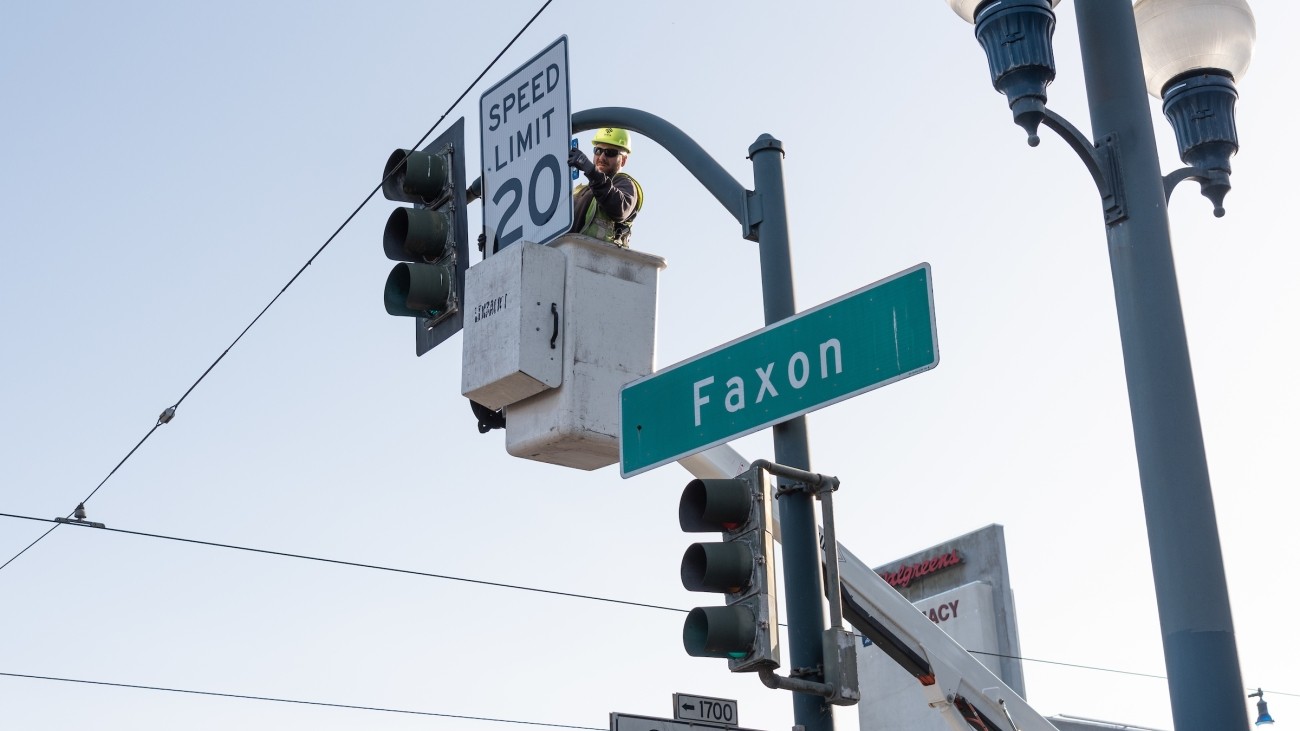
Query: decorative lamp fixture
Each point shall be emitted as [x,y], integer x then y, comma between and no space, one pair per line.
[1017,39]
[1193,52]
[1190,51]
[1264,719]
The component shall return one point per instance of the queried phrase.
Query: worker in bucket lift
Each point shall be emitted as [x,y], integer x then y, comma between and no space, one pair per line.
[605,206]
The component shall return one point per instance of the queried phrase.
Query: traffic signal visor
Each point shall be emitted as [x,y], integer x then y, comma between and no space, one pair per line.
[418,176]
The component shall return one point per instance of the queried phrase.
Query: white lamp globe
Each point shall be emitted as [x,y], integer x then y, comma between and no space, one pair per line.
[1178,36]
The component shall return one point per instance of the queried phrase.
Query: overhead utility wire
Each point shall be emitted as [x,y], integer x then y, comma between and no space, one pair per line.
[354,564]
[298,702]
[101,484]
[170,411]
[1069,664]
[573,595]
[29,545]
[1094,667]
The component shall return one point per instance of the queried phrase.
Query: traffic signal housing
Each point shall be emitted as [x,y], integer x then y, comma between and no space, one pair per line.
[431,238]
[742,567]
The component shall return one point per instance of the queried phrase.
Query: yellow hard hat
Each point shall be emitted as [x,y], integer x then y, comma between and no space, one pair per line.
[615,137]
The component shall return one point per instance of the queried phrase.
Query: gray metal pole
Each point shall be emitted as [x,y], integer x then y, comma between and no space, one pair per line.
[801,563]
[1205,686]
[764,212]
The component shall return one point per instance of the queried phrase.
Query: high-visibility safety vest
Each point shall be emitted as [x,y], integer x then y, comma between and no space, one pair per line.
[596,224]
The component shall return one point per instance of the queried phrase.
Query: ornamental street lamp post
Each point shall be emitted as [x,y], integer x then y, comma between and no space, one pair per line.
[1193,51]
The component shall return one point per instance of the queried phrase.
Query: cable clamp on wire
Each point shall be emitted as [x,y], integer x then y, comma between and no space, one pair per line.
[79,518]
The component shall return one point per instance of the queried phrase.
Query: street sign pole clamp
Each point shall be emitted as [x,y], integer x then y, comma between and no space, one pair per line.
[802,480]
[836,677]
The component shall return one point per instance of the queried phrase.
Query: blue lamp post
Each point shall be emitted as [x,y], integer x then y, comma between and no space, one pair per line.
[1190,53]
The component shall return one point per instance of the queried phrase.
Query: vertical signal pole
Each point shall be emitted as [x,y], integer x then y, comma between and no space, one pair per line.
[801,565]
[763,211]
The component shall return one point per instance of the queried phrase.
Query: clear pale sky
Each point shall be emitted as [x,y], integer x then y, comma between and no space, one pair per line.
[167,167]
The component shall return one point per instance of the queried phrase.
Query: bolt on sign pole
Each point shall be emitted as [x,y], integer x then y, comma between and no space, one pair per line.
[762,216]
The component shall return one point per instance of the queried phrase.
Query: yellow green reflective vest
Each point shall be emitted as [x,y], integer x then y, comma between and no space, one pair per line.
[600,226]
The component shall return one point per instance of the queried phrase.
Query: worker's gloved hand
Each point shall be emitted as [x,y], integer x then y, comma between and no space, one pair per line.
[580,161]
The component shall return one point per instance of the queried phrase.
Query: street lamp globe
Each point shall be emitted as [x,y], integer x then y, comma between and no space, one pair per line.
[1182,36]
[1193,52]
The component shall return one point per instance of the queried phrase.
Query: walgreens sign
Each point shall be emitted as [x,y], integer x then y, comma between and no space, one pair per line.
[904,575]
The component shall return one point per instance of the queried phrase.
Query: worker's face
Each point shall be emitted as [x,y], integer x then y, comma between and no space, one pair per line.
[608,160]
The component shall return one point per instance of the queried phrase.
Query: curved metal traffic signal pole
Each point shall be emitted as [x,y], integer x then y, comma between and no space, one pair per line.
[731,194]
[762,216]
[727,190]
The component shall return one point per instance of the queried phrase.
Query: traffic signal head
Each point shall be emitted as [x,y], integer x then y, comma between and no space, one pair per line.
[431,239]
[741,567]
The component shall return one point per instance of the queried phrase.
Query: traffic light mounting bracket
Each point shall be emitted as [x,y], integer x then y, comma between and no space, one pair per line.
[839,667]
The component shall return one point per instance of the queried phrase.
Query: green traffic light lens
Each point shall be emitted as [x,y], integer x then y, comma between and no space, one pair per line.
[724,632]
[418,290]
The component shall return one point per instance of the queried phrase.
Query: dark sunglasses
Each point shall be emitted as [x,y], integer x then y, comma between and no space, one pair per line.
[607,152]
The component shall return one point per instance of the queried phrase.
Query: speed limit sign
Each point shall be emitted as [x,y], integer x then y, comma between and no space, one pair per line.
[524,128]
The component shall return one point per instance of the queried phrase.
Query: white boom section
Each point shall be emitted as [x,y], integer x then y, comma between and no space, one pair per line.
[958,676]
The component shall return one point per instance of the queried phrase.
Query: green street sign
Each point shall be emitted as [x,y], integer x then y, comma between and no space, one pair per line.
[866,339]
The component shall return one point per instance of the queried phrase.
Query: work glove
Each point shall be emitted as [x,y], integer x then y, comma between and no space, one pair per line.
[580,161]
